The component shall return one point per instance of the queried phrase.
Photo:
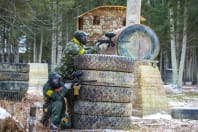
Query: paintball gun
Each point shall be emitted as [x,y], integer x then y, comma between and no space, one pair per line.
[77,81]
[109,35]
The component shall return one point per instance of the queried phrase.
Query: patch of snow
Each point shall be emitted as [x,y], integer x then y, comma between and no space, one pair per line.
[38,104]
[35,91]
[135,117]
[173,88]
[158,116]
[4,114]
[111,130]
[177,103]
[192,108]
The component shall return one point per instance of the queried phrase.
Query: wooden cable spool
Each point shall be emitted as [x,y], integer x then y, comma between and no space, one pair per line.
[138,42]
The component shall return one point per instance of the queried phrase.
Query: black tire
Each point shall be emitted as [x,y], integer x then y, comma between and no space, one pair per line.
[5,67]
[104,62]
[108,78]
[126,47]
[14,86]
[14,76]
[12,95]
[13,81]
[105,94]
[185,113]
[103,108]
[101,122]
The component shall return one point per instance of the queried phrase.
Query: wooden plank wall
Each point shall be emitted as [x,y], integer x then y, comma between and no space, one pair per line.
[38,74]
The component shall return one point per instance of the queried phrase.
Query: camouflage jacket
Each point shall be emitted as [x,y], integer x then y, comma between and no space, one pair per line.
[66,67]
[51,94]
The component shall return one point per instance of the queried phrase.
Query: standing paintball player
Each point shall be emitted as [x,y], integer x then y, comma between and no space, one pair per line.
[75,47]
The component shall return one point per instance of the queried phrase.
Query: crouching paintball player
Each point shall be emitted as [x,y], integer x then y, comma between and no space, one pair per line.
[54,111]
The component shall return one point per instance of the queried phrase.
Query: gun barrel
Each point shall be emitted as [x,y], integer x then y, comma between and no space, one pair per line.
[105,41]
[88,80]
[79,81]
[71,81]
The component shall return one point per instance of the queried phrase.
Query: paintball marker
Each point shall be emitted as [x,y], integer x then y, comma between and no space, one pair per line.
[77,81]
[109,35]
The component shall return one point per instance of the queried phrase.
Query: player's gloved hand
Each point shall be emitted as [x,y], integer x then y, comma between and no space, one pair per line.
[68,85]
[102,46]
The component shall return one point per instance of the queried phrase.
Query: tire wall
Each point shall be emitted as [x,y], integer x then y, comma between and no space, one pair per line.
[107,103]
[14,81]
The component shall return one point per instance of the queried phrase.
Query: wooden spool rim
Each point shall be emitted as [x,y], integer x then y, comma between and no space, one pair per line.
[147,30]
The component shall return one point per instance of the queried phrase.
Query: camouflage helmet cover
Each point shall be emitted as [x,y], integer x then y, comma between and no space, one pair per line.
[81,37]
[55,80]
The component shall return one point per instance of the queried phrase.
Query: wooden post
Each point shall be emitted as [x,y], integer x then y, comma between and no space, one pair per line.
[133,12]
[32,118]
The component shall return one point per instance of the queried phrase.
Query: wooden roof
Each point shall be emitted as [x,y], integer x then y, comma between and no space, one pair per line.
[111,7]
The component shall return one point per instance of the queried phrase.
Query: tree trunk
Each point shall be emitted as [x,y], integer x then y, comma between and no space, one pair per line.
[161,59]
[197,80]
[60,40]
[5,42]
[34,49]
[133,12]
[184,43]
[149,2]
[195,64]
[53,48]
[178,31]
[41,48]
[173,49]
[1,45]
[15,52]
[67,31]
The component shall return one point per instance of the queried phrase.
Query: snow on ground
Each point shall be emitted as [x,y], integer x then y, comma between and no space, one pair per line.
[158,116]
[35,91]
[155,116]
[177,103]
[172,88]
[182,97]
[3,113]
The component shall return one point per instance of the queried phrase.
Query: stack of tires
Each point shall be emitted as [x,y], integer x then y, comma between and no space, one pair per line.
[13,81]
[107,103]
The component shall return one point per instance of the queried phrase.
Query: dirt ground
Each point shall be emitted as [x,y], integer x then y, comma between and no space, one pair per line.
[161,122]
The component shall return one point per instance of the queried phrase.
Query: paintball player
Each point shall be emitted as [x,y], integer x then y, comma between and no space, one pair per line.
[76,47]
[54,110]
